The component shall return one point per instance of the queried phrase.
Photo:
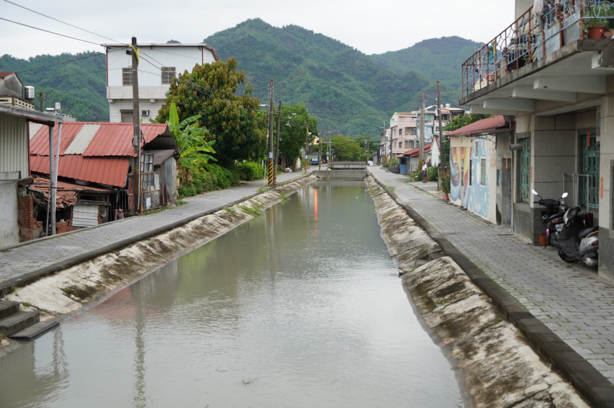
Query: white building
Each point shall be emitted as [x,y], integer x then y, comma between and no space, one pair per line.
[159,64]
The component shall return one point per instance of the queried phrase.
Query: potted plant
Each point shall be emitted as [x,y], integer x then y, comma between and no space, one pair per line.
[599,21]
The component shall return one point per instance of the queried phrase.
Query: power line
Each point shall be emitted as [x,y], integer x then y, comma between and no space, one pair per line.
[59,21]
[50,32]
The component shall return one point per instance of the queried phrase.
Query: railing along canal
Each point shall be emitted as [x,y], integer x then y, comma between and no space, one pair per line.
[532,36]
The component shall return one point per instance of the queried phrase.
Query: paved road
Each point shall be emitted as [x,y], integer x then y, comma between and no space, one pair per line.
[572,302]
[37,257]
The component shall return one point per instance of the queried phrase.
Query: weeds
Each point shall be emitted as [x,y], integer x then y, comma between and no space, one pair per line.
[499,320]
[26,304]
[250,211]
[262,190]
[283,195]
[230,210]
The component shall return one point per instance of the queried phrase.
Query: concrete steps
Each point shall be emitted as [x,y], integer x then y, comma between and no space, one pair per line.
[21,325]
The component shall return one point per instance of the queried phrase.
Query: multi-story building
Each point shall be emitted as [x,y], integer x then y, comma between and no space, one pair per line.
[548,76]
[403,130]
[159,65]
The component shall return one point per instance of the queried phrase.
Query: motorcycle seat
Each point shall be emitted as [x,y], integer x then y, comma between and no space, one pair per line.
[587,231]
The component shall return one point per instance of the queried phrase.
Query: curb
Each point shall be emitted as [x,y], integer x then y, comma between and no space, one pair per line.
[7,285]
[591,384]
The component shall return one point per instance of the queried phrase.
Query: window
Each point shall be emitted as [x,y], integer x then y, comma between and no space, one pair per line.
[590,166]
[126,76]
[525,171]
[126,116]
[400,145]
[483,172]
[477,149]
[168,73]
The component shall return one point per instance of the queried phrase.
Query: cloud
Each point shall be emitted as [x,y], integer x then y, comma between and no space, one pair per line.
[371,27]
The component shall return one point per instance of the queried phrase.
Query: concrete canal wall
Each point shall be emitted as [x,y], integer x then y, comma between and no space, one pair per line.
[495,364]
[67,292]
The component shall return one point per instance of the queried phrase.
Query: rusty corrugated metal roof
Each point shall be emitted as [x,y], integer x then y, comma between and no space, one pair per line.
[111,171]
[115,139]
[39,143]
[481,126]
[67,193]
[111,139]
[83,139]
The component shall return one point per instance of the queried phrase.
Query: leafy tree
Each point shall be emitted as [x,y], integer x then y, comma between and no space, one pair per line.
[235,122]
[193,147]
[346,148]
[294,123]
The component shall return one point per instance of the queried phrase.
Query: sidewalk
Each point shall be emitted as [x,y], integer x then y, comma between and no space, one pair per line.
[572,302]
[33,259]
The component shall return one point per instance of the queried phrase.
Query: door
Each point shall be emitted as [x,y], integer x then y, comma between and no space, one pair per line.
[506,191]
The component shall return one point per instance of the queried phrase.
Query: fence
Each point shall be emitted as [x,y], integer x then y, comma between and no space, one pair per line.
[531,37]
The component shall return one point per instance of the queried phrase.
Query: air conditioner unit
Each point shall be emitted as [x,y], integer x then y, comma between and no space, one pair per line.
[145,113]
[30,94]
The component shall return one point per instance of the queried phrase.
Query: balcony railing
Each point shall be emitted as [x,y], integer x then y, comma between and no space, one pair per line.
[532,37]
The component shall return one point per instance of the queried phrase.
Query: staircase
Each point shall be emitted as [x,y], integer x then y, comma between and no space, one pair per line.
[22,325]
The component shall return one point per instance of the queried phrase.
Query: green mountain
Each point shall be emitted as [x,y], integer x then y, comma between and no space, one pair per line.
[346,89]
[439,59]
[77,81]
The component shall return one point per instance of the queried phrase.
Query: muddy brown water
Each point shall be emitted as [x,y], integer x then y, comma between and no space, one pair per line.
[300,307]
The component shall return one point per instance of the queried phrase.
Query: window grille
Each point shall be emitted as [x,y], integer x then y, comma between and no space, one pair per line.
[483,172]
[525,171]
[168,73]
[590,166]
[126,76]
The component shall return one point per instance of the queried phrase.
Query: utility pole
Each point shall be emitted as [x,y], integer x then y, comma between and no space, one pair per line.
[422,130]
[277,144]
[40,101]
[136,123]
[440,138]
[271,118]
[389,161]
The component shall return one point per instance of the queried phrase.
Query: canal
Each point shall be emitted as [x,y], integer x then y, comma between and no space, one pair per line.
[300,307]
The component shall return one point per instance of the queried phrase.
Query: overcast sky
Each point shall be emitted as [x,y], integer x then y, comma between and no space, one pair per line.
[372,27]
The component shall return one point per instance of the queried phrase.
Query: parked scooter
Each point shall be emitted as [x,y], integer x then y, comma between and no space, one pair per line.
[552,218]
[578,242]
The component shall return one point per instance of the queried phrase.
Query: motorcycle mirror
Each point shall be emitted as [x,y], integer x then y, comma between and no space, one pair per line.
[565,195]
[535,192]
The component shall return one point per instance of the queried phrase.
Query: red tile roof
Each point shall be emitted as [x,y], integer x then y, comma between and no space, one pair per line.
[416,152]
[111,171]
[4,74]
[481,126]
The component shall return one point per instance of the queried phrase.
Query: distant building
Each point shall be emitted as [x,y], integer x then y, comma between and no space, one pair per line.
[159,65]
[12,91]
[403,130]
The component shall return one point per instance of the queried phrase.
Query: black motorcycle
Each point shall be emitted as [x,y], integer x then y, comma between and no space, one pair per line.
[552,217]
[579,241]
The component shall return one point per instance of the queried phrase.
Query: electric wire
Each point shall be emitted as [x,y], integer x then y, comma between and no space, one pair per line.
[50,32]
[60,21]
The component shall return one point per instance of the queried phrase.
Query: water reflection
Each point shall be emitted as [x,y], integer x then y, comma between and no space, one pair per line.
[300,307]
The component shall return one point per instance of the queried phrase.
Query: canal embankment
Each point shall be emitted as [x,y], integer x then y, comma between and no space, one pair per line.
[498,365]
[62,292]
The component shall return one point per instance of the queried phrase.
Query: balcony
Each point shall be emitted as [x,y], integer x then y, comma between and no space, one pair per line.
[534,42]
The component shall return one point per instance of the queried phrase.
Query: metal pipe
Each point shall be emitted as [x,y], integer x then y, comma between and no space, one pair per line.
[54,181]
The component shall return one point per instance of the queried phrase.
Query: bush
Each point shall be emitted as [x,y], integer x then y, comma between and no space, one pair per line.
[385,165]
[250,171]
[363,157]
[186,191]
[431,174]
[445,182]
[204,182]
[224,177]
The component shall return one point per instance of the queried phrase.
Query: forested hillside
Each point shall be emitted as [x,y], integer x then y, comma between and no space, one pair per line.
[348,91]
[76,81]
[343,87]
[438,58]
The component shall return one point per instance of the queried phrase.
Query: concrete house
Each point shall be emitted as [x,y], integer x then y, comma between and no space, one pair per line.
[557,85]
[403,130]
[480,173]
[159,65]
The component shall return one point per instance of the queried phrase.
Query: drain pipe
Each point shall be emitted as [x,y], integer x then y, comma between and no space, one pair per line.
[54,181]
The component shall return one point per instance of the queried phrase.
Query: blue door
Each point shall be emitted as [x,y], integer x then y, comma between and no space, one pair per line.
[403,168]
